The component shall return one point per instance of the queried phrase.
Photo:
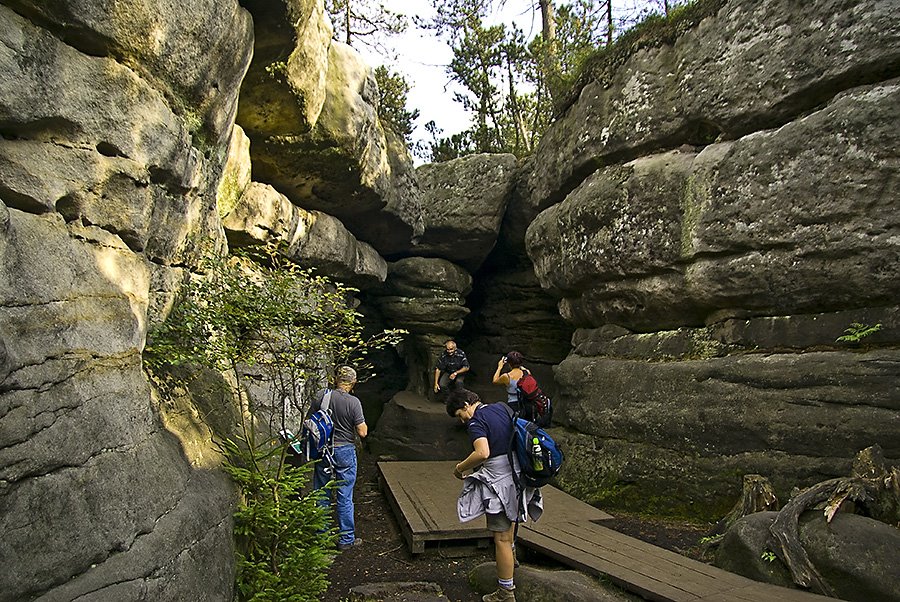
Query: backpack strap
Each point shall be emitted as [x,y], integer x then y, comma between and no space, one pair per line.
[328,448]
[520,488]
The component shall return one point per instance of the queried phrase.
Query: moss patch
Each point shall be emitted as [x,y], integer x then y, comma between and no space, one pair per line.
[652,32]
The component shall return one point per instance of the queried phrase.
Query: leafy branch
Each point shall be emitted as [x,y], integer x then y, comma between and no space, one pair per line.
[271,326]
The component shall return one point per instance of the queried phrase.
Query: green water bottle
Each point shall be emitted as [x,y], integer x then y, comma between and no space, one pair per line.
[537,459]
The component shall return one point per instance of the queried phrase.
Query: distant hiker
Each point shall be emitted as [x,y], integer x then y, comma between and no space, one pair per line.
[349,422]
[491,489]
[523,394]
[512,361]
[449,373]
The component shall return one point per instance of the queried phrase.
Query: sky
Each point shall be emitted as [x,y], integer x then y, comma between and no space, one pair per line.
[423,59]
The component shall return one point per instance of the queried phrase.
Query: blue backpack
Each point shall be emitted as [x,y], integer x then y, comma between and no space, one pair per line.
[316,435]
[540,458]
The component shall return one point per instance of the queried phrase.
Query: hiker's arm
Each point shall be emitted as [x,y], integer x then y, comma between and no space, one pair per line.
[481,453]
[362,429]
[437,376]
[462,370]
[500,379]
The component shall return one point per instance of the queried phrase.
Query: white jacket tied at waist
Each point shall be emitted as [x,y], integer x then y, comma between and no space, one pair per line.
[492,490]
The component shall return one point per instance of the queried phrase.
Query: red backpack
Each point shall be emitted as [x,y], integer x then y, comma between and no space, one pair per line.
[534,405]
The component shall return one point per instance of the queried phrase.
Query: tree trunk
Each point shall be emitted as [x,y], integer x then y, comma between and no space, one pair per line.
[522,140]
[609,22]
[871,488]
[758,495]
[347,21]
[551,50]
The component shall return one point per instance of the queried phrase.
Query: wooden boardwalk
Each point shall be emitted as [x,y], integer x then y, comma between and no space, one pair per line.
[423,497]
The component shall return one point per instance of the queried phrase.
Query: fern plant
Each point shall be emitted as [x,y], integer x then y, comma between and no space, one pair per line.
[857,331]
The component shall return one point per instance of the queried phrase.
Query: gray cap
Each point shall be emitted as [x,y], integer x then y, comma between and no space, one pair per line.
[345,375]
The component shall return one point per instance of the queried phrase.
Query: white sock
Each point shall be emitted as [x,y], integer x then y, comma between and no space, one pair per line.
[506,583]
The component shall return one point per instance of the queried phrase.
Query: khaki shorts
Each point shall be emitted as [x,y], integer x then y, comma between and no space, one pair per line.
[498,522]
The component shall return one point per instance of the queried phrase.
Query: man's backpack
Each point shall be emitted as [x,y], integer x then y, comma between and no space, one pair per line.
[316,434]
[534,405]
[540,458]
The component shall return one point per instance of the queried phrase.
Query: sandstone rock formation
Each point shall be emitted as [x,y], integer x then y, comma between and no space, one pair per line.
[728,238]
[316,134]
[463,202]
[716,212]
[855,555]
[312,238]
[108,165]
[748,68]
[427,298]
[412,428]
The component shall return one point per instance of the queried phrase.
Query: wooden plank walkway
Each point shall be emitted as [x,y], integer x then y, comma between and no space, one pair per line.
[423,497]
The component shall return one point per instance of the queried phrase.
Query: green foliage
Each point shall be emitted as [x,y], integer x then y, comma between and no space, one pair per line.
[363,21]
[768,556]
[509,83]
[260,309]
[284,544]
[392,91]
[857,331]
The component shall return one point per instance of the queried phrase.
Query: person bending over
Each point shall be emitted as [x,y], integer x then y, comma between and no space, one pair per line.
[491,489]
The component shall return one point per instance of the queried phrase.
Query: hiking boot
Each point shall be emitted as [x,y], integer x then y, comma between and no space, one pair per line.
[501,595]
[352,544]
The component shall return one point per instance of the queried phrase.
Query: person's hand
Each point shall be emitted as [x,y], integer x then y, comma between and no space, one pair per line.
[453,376]
[457,472]
[437,387]
[501,362]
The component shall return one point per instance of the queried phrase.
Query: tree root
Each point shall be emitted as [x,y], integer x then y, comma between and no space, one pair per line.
[873,490]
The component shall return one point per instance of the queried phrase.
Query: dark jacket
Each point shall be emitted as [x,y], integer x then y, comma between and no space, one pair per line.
[451,363]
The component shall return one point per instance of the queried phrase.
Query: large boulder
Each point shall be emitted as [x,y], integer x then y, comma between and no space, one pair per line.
[745,227]
[426,297]
[534,583]
[90,139]
[751,66]
[99,500]
[463,202]
[411,428]
[312,238]
[194,54]
[856,556]
[115,121]
[318,140]
[284,89]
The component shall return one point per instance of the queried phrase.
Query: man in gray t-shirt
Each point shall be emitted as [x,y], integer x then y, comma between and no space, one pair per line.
[347,414]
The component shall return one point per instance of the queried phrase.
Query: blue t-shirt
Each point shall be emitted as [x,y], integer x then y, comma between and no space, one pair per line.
[494,422]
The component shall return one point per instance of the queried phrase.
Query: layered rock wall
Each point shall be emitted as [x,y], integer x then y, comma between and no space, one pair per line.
[112,127]
[743,216]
